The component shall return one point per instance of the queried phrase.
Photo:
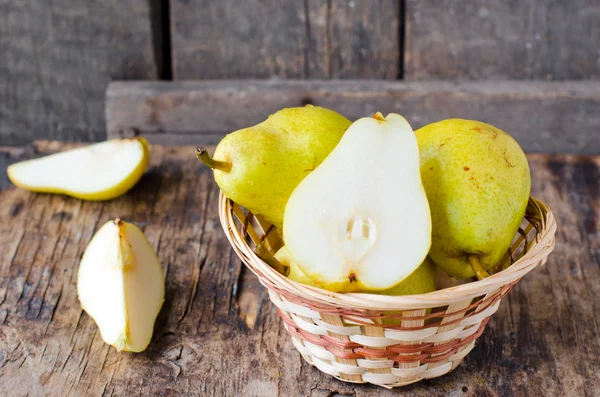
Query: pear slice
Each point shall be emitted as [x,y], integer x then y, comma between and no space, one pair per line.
[101,171]
[121,285]
[360,221]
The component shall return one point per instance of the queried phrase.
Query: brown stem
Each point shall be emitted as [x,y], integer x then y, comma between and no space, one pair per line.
[203,156]
[270,259]
[476,266]
[379,117]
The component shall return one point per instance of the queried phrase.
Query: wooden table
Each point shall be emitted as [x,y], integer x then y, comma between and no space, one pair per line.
[218,334]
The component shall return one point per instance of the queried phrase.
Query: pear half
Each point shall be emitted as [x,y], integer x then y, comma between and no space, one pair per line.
[121,285]
[361,221]
[101,171]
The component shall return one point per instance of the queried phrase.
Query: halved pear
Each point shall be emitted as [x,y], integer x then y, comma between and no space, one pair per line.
[101,171]
[360,221]
[121,285]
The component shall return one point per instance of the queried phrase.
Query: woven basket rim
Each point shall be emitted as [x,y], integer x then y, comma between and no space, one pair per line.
[272,279]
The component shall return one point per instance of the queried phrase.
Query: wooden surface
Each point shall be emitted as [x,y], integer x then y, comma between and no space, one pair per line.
[481,39]
[57,59]
[547,117]
[218,334]
[297,39]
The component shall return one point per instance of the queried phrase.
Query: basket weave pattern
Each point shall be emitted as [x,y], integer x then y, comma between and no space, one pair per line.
[389,341]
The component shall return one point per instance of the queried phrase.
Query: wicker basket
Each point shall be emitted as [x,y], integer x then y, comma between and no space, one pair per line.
[389,341]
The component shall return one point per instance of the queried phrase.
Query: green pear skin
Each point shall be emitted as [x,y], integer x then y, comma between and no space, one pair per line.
[421,281]
[477,181]
[270,159]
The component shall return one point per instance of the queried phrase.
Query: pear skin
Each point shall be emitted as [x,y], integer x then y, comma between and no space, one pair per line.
[477,181]
[259,167]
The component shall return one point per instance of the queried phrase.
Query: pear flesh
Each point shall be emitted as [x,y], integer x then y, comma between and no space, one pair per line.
[421,281]
[100,171]
[477,181]
[121,285]
[360,221]
[258,167]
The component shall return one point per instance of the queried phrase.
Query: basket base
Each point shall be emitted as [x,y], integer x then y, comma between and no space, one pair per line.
[373,379]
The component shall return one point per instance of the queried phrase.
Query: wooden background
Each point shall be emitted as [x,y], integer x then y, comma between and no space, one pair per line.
[532,66]
[59,56]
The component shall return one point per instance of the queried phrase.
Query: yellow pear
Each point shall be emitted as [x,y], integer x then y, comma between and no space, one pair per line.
[364,205]
[258,167]
[477,182]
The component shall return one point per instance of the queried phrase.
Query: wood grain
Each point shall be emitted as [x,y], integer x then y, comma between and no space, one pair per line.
[57,59]
[555,117]
[479,39]
[353,39]
[300,39]
[218,335]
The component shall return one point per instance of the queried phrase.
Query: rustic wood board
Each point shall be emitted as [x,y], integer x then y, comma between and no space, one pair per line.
[481,39]
[218,334]
[547,117]
[297,39]
[57,59]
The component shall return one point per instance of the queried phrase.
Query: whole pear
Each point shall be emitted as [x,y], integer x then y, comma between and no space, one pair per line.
[258,167]
[477,181]
[421,281]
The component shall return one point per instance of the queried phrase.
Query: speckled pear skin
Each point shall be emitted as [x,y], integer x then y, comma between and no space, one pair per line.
[477,181]
[271,158]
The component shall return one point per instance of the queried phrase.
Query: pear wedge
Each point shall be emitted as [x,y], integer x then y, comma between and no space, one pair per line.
[121,285]
[101,171]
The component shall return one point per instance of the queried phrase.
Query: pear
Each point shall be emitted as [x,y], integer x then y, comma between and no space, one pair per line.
[101,171]
[477,181]
[360,221]
[259,167]
[421,281]
[121,285]
[284,257]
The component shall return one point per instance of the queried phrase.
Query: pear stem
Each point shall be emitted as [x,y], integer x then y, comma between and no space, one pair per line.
[379,117]
[270,259]
[203,156]
[476,266]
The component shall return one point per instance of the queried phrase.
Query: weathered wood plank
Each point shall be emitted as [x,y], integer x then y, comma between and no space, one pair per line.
[301,39]
[232,39]
[353,39]
[58,57]
[543,116]
[479,39]
[219,335]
